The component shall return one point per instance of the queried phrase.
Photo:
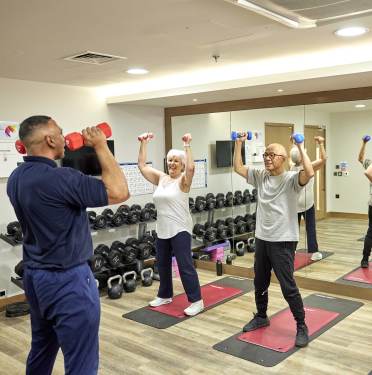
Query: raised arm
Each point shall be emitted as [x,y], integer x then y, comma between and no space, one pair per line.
[151,174]
[308,171]
[362,150]
[188,175]
[112,176]
[239,167]
[368,173]
[317,164]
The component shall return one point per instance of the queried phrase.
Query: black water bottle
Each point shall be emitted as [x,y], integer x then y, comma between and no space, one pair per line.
[219,267]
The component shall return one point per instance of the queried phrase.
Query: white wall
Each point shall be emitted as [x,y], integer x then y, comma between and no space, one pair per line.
[73,108]
[344,140]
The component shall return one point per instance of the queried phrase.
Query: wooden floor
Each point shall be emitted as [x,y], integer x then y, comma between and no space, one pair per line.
[335,235]
[127,347]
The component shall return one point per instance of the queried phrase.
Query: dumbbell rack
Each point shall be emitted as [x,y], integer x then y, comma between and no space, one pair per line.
[10,239]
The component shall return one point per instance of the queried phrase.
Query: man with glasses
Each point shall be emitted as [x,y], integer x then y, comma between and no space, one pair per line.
[277,230]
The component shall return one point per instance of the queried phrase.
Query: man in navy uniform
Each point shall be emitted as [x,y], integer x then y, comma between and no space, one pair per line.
[50,204]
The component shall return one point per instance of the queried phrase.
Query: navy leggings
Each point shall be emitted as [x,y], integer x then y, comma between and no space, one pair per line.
[180,247]
[65,313]
[309,216]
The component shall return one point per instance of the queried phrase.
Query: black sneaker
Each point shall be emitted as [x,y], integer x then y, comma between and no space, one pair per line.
[364,263]
[255,323]
[302,336]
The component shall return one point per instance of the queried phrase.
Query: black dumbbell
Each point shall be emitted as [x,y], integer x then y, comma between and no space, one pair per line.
[91,216]
[209,195]
[131,216]
[100,222]
[207,234]
[136,207]
[238,198]
[222,230]
[122,209]
[229,199]
[18,269]
[246,196]
[240,227]
[14,229]
[191,204]
[151,208]
[145,215]
[250,224]
[117,219]
[210,203]
[220,200]
[108,214]
[231,229]
[200,204]
[144,250]
[254,195]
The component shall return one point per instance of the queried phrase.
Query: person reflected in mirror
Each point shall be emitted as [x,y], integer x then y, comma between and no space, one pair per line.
[305,207]
[277,230]
[367,165]
[174,222]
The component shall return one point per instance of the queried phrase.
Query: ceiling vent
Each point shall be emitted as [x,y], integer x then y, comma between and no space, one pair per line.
[95,58]
[306,13]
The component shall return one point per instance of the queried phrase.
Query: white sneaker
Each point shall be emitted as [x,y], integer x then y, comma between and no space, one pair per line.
[160,301]
[195,308]
[317,256]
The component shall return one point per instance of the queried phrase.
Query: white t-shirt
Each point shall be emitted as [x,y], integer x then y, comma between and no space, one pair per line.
[277,197]
[366,164]
[306,195]
[172,204]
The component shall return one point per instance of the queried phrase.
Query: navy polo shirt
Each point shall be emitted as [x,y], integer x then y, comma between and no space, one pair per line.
[50,204]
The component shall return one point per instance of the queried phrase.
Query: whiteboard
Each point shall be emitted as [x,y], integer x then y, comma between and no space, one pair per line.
[137,184]
[200,175]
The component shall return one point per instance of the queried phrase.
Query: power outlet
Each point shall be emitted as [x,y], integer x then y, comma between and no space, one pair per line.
[2,293]
[337,196]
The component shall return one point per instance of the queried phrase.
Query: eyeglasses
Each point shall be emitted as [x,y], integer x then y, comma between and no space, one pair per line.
[271,155]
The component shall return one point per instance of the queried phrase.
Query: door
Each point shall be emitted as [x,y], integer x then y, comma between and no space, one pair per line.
[279,133]
[319,182]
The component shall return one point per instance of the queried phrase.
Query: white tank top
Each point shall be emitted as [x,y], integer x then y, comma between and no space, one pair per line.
[172,206]
[306,195]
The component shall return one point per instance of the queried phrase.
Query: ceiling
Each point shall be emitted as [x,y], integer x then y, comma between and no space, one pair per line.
[171,38]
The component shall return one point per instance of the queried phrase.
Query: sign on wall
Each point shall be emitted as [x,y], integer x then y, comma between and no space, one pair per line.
[137,184]
[200,174]
[9,157]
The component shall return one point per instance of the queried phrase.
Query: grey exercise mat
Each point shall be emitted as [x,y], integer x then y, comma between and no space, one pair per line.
[341,280]
[267,357]
[159,320]
[325,254]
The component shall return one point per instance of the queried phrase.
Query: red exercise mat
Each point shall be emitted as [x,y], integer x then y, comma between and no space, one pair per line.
[360,275]
[211,294]
[302,260]
[280,335]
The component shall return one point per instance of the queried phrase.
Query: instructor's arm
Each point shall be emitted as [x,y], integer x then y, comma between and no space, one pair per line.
[112,176]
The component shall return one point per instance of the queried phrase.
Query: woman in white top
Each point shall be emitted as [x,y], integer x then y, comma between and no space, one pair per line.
[305,206]
[174,222]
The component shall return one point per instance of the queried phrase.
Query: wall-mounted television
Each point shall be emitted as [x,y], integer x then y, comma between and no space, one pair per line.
[85,159]
[225,153]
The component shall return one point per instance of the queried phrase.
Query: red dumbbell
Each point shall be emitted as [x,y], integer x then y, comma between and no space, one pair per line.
[75,140]
[20,147]
[145,136]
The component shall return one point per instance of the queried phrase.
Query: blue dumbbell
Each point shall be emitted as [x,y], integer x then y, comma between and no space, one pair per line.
[298,138]
[235,135]
[366,138]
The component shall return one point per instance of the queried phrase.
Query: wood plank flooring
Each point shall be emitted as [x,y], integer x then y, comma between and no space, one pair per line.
[127,347]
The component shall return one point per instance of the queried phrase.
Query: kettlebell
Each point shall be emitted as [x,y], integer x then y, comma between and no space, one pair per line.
[115,291]
[239,248]
[251,245]
[229,259]
[129,280]
[146,276]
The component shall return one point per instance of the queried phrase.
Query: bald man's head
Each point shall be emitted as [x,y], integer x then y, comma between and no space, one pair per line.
[277,148]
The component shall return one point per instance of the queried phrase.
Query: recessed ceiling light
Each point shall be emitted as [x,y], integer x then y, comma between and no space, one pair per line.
[280,90]
[360,105]
[195,100]
[137,71]
[351,31]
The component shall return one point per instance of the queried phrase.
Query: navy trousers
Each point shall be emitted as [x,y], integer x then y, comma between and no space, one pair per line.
[180,246]
[65,313]
[309,216]
[368,238]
